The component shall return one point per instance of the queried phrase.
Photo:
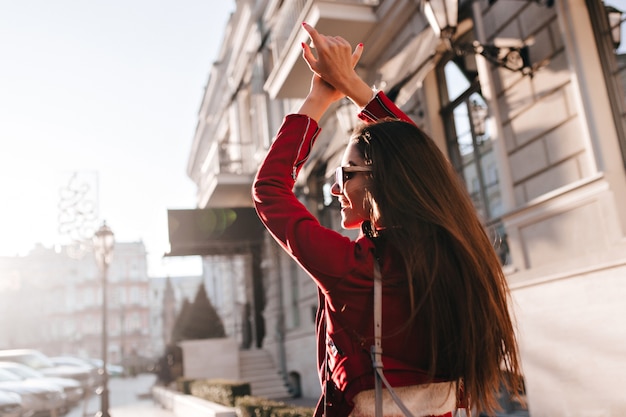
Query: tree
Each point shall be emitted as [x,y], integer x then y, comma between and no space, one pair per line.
[202,322]
[179,323]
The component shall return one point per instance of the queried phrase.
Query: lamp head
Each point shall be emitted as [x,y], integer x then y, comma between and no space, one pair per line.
[442,15]
[103,241]
[615,24]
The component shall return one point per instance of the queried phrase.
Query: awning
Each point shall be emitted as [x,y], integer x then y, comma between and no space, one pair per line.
[215,231]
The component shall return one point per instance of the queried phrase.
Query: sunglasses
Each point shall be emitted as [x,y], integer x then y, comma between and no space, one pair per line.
[343,174]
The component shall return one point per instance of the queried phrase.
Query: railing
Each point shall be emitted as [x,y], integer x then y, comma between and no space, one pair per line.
[288,18]
[233,158]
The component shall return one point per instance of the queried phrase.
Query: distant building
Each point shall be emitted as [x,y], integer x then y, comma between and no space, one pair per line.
[52,301]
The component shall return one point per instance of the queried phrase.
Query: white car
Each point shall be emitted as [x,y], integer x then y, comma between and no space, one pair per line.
[113,370]
[78,363]
[72,388]
[10,404]
[39,399]
[40,362]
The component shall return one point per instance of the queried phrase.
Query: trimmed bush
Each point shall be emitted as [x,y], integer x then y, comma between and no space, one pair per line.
[250,406]
[292,412]
[183,385]
[219,391]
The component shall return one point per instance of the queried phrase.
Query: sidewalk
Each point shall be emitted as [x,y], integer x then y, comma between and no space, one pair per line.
[140,409]
[132,397]
[128,397]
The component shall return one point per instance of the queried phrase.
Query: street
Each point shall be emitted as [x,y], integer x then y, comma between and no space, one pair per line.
[127,396]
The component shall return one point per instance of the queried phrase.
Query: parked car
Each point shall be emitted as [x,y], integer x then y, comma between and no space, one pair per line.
[39,399]
[10,404]
[78,363]
[71,388]
[40,362]
[113,370]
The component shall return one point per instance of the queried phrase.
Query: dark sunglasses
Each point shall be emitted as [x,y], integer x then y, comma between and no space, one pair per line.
[343,174]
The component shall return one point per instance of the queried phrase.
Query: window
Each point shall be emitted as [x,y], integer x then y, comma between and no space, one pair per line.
[465,116]
[469,145]
[613,58]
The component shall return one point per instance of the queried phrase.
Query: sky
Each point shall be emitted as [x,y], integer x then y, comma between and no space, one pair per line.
[98,104]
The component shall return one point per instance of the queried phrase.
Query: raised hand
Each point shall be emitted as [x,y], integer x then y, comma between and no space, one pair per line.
[335,63]
[335,59]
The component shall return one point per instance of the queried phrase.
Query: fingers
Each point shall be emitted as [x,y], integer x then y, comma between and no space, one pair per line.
[318,40]
[308,56]
[334,59]
[313,34]
[356,55]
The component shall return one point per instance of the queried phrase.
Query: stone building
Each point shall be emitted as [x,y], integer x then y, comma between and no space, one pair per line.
[54,303]
[526,99]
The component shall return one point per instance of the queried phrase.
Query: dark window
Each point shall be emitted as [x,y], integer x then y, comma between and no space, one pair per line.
[613,58]
[465,116]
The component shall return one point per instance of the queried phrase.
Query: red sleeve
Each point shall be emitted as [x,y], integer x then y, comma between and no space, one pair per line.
[380,107]
[326,254]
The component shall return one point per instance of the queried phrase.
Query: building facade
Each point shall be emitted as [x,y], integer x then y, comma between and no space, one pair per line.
[527,100]
[53,303]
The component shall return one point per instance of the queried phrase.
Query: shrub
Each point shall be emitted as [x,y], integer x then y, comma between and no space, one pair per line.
[219,391]
[250,406]
[183,385]
[292,412]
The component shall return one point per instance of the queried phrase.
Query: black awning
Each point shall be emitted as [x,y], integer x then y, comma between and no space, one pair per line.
[214,231]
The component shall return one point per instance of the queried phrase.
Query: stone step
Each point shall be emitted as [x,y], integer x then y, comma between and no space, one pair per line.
[257,368]
[260,379]
[256,365]
[261,375]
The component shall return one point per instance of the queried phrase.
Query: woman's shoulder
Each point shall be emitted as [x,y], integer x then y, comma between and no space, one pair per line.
[338,260]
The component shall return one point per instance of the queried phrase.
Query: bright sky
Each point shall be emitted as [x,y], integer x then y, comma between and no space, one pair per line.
[111,90]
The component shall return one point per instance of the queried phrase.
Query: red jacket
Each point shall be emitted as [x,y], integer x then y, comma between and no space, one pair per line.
[343,271]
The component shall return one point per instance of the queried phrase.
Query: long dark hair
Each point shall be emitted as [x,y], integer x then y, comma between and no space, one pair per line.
[454,275]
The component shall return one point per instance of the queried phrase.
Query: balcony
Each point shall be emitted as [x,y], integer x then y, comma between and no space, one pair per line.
[227,175]
[290,76]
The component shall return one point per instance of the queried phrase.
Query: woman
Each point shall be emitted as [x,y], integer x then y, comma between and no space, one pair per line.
[447,330]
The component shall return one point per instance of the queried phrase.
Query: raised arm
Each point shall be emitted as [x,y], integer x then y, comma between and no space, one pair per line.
[335,64]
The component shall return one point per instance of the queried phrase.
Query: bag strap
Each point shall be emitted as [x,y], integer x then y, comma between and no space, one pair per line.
[377,350]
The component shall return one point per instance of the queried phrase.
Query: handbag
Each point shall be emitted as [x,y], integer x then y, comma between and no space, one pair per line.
[376,353]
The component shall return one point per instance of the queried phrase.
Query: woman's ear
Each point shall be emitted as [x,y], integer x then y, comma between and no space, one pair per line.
[370,205]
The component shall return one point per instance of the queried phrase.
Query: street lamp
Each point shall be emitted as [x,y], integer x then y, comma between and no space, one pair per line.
[103,241]
[615,22]
[442,16]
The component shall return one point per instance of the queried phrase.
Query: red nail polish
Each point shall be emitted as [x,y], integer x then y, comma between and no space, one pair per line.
[361,44]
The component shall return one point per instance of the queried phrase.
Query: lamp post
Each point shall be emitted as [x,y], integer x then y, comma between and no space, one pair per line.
[103,241]
[442,16]
[615,22]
